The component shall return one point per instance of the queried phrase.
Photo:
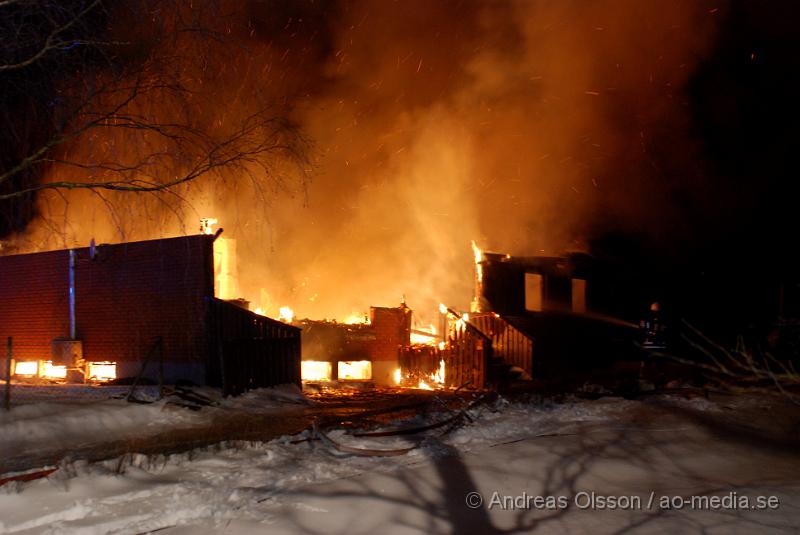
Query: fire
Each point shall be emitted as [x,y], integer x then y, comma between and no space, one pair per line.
[286,314]
[477,252]
[424,386]
[356,318]
[27,368]
[102,371]
[51,371]
[438,375]
[207,224]
[442,308]
[315,370]
[355,370]
[259,311]
[476,304]
[398,376]
[426,336]
[437,378]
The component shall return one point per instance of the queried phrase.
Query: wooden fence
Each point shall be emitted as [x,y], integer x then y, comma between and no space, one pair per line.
[259,362]
[470,353]
[465,356]
[253,351]
[508,342]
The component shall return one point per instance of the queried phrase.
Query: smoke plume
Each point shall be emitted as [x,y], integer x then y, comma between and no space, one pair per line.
[527,126]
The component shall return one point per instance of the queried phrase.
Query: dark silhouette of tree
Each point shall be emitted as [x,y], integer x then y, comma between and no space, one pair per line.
[129,97]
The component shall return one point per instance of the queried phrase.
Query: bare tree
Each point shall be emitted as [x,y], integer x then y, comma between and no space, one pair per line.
[128,97]
[744,366]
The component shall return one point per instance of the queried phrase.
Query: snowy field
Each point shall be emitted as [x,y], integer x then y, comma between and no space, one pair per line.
[548,457]
[48,420]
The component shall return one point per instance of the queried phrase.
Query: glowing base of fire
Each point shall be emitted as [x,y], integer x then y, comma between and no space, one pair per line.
[51,371]
[315,370]
[358,370]
[101,371]
[45,369]
[430,382]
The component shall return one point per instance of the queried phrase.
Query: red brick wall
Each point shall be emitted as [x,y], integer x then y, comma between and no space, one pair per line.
[391,329]
[34,304]
[126,295]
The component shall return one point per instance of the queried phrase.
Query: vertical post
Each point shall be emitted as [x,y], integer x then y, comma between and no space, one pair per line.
[72,294]
[160,367]
[7,397]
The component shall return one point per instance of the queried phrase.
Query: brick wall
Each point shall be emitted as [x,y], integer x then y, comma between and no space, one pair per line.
[34,303]
[391,328]
[126,296]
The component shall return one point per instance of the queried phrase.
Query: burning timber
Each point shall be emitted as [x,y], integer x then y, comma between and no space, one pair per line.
[544,318]
[167,311]
[356,352]
[467,350]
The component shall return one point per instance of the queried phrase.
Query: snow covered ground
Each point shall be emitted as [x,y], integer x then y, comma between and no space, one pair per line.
[52,419]
[547,455]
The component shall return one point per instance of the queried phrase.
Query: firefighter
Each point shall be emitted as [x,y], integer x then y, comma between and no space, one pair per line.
[652,328]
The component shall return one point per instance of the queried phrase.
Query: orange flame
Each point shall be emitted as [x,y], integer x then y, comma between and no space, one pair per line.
[286,314]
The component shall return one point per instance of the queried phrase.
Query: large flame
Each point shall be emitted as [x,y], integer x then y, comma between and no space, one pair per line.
[286,314]
[437,378]
[27,368]
[355,370]
[53,371]
[425,336]
[438,375]
[477,252]
[393,119]
[356,319]
[315,370]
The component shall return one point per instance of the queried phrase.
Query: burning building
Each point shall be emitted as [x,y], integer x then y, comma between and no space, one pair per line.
[566,306]
[138,309]
[366,349]
[540,317]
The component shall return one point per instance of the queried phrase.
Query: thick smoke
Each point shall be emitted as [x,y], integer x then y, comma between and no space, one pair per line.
[526,126]
[521,125]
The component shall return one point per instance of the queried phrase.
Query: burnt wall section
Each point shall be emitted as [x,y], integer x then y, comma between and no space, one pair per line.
[380,341]
[562,319]
[575,282]
[126,296]
[502,283]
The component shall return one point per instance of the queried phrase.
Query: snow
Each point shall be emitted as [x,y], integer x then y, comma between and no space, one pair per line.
[29,425]
[267,398]
[83,418]
[286,486]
